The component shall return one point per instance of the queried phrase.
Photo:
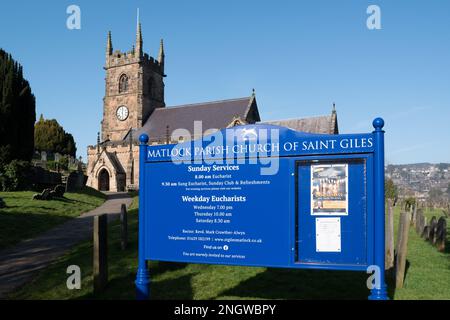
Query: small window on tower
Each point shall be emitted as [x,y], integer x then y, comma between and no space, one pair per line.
[123,83]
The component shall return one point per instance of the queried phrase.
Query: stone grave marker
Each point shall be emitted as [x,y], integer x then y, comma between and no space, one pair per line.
[433,227]
[441,234]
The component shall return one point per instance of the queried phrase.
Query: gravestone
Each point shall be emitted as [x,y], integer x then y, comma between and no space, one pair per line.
[426,233]
[423,223]
[433,229]
[44,195]
[411,214]
[402,248]
[389,263]
[80,166]
[441,234]
[419,222]
[123,227]
[75,181]
[57,157]
[43,156]
[59,191]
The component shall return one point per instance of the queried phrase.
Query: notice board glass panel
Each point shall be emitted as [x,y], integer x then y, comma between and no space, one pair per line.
[331,213]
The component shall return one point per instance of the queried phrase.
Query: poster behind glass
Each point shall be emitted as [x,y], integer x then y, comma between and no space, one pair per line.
[329,189]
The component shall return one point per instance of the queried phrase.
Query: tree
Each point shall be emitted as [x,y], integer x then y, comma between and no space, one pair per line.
[70,146]
[49,136]
[390,189]
[16,176]
[17,112]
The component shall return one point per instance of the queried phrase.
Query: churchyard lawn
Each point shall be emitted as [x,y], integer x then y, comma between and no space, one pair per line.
[24,218]
[427,277]
[427,270]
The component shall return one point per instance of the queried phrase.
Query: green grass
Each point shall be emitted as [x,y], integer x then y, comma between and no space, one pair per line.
[427,277]
[430,213]
[24,218]
[428,271]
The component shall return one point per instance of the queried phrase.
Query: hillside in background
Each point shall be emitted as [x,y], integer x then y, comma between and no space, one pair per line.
[424,181]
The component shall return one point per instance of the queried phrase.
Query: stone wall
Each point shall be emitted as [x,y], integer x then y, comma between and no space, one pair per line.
[42,178]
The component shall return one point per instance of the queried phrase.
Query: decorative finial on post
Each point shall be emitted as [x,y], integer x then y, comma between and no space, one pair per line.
[253,92]
[378,124]
[334,108]
[143,138]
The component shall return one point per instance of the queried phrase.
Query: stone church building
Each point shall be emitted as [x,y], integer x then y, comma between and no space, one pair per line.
[134,103]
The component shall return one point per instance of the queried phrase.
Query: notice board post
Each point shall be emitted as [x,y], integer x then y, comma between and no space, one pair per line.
[142,277]
[379,292]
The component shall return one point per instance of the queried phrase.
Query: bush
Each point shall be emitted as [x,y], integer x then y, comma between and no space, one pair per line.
[64,163]
[16,176]
[51,165]
[409,202]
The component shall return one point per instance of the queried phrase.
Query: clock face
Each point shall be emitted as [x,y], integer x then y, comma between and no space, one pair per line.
[122,113]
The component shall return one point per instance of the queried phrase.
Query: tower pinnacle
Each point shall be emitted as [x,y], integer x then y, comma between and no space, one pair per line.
[161,55]
[139,49]
[109,46]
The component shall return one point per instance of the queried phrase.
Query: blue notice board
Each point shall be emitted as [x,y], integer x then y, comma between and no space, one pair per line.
[263,195]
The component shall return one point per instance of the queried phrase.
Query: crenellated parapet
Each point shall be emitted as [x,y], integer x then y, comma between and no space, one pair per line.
[119,58]
[135,55]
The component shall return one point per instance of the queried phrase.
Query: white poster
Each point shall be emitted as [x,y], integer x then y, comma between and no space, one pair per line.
[329,190]
[328,234]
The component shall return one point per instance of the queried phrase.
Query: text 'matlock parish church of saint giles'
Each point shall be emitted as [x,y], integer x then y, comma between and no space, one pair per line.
[134,103]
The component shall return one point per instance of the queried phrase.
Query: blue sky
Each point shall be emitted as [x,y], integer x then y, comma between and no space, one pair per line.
[300,56]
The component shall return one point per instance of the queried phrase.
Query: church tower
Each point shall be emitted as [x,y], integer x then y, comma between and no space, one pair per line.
[134,87]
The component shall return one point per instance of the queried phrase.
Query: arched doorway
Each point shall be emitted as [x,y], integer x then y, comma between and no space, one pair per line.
[103,180]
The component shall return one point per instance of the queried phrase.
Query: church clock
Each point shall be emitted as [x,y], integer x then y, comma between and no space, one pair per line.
[122,113]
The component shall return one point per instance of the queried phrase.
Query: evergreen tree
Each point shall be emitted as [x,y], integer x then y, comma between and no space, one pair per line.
[50,136]
[17,112]
[390,189]
[71,148]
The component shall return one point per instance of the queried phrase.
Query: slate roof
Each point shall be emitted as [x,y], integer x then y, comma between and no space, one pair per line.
[115,162]
[322,124]
[214,115]
[112,157]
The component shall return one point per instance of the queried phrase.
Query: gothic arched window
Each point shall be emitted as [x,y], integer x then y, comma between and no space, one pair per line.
[123,83]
